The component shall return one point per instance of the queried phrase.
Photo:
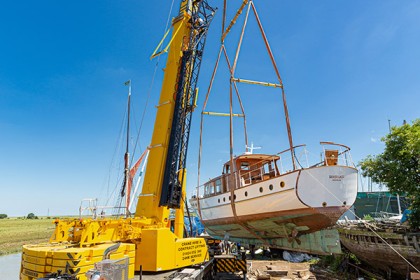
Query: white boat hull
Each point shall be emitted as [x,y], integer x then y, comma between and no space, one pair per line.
[291,205]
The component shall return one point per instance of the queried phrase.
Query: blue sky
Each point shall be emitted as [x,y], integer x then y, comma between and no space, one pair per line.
[347,68]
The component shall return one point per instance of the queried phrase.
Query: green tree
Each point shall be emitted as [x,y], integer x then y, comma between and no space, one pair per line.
[3,216]
[31,216]
[399,165]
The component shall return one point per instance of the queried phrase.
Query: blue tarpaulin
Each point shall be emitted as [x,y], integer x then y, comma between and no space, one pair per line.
[405,215]
[197,226]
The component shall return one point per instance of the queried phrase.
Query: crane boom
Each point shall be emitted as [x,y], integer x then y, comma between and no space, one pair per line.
[164,178]
[145,239]
[186,96]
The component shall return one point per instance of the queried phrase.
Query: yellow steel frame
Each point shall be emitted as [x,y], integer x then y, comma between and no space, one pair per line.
[157,247]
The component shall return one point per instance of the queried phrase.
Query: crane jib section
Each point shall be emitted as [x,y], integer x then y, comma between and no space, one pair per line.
[185,97]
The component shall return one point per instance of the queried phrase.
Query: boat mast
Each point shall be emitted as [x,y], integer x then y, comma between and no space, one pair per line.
[127,155]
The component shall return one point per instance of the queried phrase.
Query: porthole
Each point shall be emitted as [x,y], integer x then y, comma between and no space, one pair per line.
[218,200]
[344,203]
[246,193]
[271,187]
[324,204]
[234,197]
[261,189]
[229,197]
[224,199]
[282,184]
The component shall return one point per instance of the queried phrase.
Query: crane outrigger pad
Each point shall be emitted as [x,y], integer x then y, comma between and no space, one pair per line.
[42,259]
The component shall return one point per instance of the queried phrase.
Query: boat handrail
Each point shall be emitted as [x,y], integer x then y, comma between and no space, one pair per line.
[284,168]
[336,157]
[240,177]
[89,208]
[335,144]
[294,147]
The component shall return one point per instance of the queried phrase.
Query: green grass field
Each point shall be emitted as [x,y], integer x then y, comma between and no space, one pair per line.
[16,232]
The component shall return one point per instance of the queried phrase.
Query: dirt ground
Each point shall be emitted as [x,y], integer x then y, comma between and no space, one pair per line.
[267,270]
[283,270]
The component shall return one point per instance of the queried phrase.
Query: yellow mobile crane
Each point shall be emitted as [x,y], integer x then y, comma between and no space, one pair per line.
[145,239]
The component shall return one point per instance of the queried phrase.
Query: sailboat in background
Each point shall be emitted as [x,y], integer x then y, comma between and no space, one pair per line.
[126,196]
[256,200]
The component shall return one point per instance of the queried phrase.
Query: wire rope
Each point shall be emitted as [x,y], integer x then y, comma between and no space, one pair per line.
[111,194]
[119,200]
[151,83]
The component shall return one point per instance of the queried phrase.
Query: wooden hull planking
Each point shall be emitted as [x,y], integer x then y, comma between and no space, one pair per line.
[372,250]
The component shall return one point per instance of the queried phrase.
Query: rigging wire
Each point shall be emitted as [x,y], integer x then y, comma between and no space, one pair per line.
[111,196]
[137,142]
[117,150]
[152,83]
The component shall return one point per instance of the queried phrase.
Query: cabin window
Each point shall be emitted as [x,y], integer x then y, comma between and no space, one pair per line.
[268,168]
[218,184]
[208,189]
[271,187]
[261,189]
[227,169]
[282,184]
[244,165]
[246,193]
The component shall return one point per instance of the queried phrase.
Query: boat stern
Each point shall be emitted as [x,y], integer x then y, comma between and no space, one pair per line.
[331,190]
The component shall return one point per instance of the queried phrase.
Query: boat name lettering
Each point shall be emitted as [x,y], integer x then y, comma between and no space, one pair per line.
[336,177]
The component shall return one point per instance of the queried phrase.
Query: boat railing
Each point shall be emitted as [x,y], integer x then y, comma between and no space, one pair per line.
[89,209]
[255,175]
[283,165]
[335,154]
[257,172]
[295,160]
